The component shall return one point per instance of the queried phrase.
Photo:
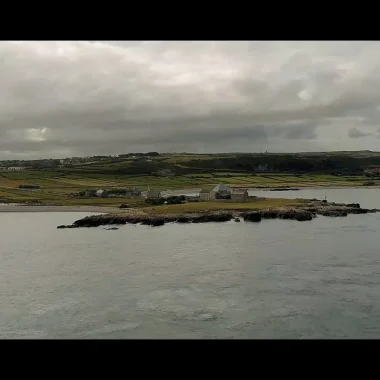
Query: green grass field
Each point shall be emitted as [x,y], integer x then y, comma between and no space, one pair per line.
[55,186]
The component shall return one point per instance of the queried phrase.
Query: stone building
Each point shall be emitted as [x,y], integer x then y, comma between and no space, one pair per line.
[239,196]
[204,195]
[153,194]
[218,192]
[221,191]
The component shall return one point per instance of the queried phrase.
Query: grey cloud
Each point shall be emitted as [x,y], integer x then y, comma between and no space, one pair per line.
[355,133]
[111,97]
[303,132]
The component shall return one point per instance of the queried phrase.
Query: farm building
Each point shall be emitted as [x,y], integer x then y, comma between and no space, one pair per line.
[222,190]
[218,192]
[239,195]
[204,195]
[153,194]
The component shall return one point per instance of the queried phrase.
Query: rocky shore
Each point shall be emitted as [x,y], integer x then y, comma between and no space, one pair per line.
[307,212]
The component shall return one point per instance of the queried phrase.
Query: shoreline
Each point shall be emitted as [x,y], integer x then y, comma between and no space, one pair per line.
[299,188]
[307,211]
[291,188]
[91,209]
[14,207]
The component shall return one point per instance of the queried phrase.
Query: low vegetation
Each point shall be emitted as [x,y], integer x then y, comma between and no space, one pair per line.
[50,181]
[202,207]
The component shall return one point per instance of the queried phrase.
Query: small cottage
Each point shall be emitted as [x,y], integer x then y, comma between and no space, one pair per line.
[239,196]
[204,195]
[153,194]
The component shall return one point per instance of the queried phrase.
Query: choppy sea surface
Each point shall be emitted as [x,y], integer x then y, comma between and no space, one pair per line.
[274,279]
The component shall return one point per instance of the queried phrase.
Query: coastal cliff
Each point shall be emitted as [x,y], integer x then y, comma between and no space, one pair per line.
[309,210]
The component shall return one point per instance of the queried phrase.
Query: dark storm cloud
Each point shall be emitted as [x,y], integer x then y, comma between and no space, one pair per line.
[74,98]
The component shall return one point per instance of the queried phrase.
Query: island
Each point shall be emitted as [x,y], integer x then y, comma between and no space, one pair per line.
[205,212]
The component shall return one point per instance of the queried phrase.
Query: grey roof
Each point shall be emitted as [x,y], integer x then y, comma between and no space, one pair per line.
[222,188]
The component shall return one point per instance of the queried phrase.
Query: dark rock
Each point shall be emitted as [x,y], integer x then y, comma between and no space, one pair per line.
[269,214]
[353,205]
[253,216]
[133,220]
[68,226]
[304,216]
[237,220]
[112,228]
[300,215]
[124,205]
[157,222]
[333,213]
[358,211]
[182,219]
[153,221]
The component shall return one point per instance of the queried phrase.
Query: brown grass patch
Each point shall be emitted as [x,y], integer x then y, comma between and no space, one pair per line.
[220,206]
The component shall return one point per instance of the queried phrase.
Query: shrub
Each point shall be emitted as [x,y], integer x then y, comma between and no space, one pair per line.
[29,187]
[155,202]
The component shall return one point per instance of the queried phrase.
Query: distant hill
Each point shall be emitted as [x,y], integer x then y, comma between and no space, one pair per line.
[154,163]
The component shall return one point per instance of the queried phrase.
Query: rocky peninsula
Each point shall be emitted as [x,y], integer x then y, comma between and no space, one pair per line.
[306,211]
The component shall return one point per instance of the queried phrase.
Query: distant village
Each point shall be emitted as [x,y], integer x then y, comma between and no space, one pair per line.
[220,193]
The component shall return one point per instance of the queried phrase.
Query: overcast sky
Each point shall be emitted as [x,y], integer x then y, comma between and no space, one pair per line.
[59,99]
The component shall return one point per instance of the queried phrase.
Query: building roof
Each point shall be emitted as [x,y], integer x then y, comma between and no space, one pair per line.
[222,188]
[153,193]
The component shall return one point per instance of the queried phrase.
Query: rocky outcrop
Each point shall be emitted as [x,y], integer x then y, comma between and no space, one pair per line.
[307,212]
[293,214]
[68,226]
[150,220]
[253,216]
